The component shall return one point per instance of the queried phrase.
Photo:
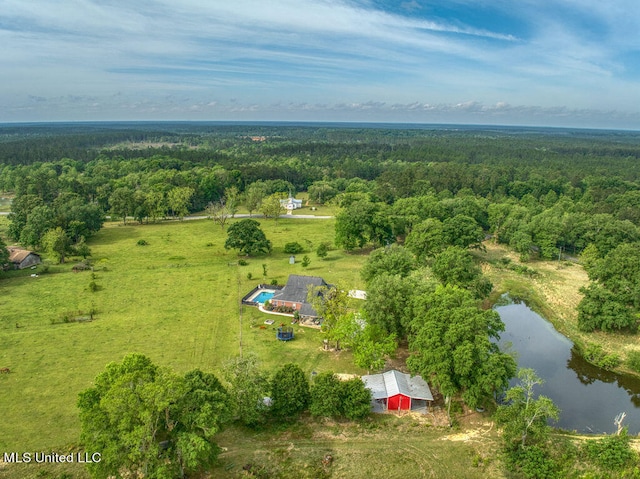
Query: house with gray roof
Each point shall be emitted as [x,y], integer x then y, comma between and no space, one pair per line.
[295,294]
[397,391]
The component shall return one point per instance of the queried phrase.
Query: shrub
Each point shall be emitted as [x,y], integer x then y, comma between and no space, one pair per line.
[323,250]
[93,286]
[274,282]
[293,248]
[249,275]
[306,261]
[611,452]
[596,355]
[142,242]
[633,360]
[242,262]
[533,462]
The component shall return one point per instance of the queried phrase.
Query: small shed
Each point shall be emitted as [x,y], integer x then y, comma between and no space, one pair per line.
[397,391]
[22,258]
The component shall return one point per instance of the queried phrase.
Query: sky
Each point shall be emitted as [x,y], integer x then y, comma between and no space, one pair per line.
[573,63]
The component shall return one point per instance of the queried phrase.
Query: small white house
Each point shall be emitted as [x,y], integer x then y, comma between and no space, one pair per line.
[291,204]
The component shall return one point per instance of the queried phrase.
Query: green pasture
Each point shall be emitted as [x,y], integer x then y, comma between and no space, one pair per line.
[175,299]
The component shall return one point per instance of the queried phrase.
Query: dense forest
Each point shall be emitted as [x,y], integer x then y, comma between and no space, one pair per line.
[547,193]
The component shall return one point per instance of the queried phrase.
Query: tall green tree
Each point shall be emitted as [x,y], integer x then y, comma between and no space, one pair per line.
[355,399]
[361,222]
[147,421]
[56,243]
[253,195]
[389,302]
[21,207]
[232,200]
[324,395]
[39,221]
[463,231]
[179,199]
[122,202]
[612,300]
[199,414]
[248,385]
[524,416]
[393,260]
[332,305]
[452,342]
[289,392]
[271,206]
[247,237]
[455,266]
[426,239]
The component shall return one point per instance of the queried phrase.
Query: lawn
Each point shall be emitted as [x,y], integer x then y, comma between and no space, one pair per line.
[175,299]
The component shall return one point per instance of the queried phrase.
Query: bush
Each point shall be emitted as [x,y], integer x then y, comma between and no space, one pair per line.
[293,248]
[142,242]
[611,452]
[323,250]
[633,361]
[533,462]
[93,286]
[596,356]
[242,262]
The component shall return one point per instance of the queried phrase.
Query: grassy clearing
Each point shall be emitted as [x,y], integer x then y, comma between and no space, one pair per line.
[386,446]
[176,300]
[553,292]
[5,202]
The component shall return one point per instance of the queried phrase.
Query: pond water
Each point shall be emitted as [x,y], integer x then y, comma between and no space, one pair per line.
[589,398]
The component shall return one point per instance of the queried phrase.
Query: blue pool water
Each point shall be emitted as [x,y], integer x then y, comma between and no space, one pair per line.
[263,296]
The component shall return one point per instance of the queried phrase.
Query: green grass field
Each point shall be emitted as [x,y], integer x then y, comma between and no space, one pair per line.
[176,300]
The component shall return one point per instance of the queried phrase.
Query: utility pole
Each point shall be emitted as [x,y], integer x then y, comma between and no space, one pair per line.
[239,305]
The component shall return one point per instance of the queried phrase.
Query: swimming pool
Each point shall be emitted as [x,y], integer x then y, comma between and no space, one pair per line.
[263,296]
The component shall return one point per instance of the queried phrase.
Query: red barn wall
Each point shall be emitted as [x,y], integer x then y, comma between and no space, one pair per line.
[399,401]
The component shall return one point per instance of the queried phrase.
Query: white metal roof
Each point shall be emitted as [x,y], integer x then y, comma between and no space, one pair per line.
[394,382]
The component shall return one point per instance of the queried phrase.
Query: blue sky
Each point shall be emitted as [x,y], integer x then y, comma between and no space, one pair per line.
[524,62]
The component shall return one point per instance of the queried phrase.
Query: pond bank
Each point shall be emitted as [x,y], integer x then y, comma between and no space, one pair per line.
[551,289]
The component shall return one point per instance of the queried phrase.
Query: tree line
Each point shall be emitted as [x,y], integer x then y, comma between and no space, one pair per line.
[545,194]
[149,421]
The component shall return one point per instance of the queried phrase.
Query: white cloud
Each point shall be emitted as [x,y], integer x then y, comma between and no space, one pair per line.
[313,52]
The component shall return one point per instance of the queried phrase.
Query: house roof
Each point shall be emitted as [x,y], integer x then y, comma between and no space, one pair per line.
[297,288]
[394,382]
[18,255]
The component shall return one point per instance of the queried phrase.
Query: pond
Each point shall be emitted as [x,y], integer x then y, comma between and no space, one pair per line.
[589,398]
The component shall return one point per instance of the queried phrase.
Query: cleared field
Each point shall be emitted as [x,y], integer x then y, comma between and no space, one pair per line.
[175,299]
[385,446]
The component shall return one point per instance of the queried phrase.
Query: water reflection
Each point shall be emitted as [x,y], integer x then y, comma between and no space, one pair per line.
[588,397]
